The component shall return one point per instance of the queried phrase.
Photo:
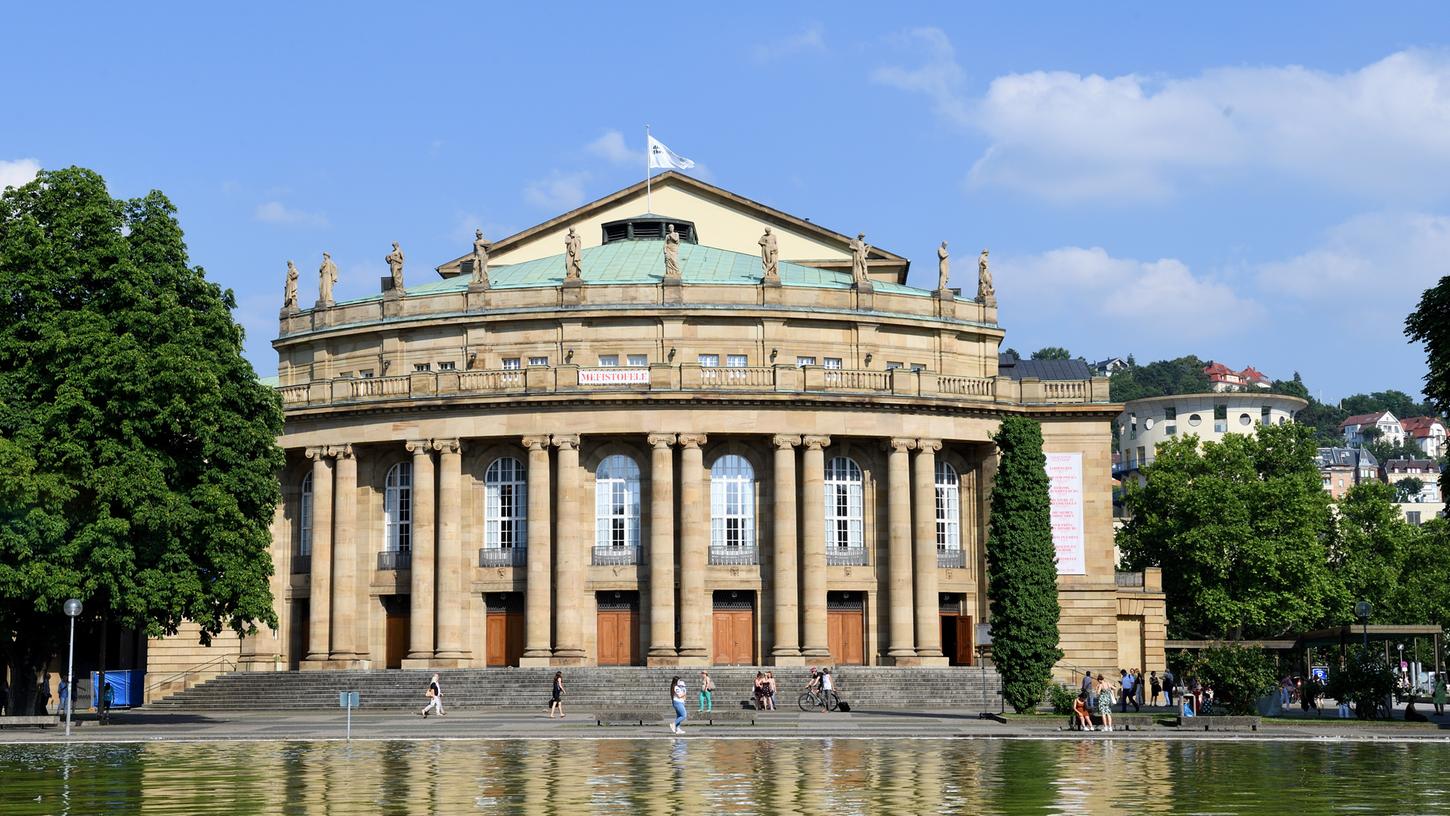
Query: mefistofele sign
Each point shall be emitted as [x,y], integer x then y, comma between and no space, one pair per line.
[614,376]
[1064,473]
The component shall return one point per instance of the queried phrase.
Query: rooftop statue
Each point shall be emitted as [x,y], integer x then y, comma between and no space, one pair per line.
[769,256]
[395,267]
[289,296]
[327,274]
[985,292]
[859,250]
[573,269]
[672,253]
[943,267]
[480,260]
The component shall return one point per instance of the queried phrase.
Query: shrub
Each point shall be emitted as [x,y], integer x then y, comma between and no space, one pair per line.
[1364,680]
[1062,697]
[1238,675]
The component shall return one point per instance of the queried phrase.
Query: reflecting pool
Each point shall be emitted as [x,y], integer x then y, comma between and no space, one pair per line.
[835,777]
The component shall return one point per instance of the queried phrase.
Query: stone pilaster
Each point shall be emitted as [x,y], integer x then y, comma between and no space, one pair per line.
[423,588]
[319,604]
[345,557]
[928,604]
[813,546]
[901,646]
[569,558]
[784,585]
[452,566]
[662,551]
[538,607]
[694,550]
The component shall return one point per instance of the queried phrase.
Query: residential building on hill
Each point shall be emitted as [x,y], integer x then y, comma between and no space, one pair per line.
[1425,470]
[1109,367]
[1384,422]
[1343,468]
[1221,378]
[1427,434]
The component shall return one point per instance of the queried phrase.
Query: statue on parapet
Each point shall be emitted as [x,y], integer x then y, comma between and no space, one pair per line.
[289,295]
[672,253]
[859,250]
[769,256]
[395,267]
[480,260]
[327,275]
[943,267]
[985,292]
[573,267]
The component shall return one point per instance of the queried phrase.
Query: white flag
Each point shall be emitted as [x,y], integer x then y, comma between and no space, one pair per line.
[663,157]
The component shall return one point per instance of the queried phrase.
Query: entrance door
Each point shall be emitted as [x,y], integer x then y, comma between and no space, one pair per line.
[846,628]
[617,629]
[504,628]
[298,642]
[956,638]
[395,608]
[734,628]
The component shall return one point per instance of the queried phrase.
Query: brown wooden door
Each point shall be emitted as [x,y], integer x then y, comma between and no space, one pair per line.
[956,638]
[845,636]
[734,637]
[396,639]
[618,637]
[505,637]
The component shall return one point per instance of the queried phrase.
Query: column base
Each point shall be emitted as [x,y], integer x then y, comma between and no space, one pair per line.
[909,659]
[535,660]
[693,659]
[441,662]
[662,657]
[333,664]
[814,652]
[935,661]
[415,663]
[787,657]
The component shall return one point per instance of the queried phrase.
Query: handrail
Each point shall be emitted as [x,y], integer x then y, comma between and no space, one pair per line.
[227,661]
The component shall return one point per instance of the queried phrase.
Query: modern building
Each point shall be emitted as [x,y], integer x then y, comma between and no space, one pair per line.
[1427,434]
[1383,423]
[1146,422]
[509,464]
[1342,468]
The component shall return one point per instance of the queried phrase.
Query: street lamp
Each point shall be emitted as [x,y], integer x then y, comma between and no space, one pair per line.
[1361,611]
[72,610]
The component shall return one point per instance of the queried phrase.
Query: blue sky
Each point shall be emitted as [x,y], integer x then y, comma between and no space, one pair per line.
[1258,187]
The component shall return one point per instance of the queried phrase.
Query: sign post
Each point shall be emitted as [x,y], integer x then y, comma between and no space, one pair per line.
[349,700]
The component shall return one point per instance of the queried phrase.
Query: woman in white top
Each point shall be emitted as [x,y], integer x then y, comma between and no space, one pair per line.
[677,697]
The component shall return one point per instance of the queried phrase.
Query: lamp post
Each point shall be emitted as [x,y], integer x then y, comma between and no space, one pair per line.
[1361,611]
[72,609]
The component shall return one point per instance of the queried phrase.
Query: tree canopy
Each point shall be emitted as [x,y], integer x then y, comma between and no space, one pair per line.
[1183,375]
[1430,325]
[138,446]
[1052,353]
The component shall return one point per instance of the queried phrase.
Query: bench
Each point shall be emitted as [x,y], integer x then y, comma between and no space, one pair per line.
[629,716]
[1219,722]
[34,721]
[725,717]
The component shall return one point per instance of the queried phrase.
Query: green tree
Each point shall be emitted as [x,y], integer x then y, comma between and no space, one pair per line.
[1022,566]
[1240,529]
[138,446]
[1396,402]
[1430,324]
[1239,676]
[1183,375]
[1407,489]
[1371,546]
[1422,587]
[1293,388]
[1385,451]
[1365,680]
[1052,353]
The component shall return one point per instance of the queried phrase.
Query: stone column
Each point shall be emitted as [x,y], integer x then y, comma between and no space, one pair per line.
[569,558]
[662,551]
[420,621]
[453,568]
[901,648]
[538,609]
[319,604]
[813,546]
[928,605]
[344,556]
[785,587]
[694,549]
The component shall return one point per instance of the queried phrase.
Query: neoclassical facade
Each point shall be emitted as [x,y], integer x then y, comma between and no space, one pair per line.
[555,453]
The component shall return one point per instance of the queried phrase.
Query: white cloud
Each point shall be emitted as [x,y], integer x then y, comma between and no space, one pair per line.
[809,40]
[560,191]
[275,212]
[17,172]
[1382,130]
[611,147]
[1371,260]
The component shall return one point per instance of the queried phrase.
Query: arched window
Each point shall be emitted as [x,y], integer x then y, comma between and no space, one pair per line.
[732,507]
[616,503]
[398,508]
[948,516]
[505,505]
[843,509]
[304,517]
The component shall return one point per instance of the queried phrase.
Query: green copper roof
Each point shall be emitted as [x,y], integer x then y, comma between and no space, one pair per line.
[643,262]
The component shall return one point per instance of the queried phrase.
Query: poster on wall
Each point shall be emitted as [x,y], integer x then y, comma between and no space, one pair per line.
[1064,473]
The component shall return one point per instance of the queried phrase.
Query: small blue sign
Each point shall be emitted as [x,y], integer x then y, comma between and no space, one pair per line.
[349,699]
[1320,674]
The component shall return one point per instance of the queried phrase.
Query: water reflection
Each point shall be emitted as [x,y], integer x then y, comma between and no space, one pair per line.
[720,777]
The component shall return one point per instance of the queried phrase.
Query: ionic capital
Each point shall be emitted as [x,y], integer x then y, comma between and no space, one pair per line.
[784,441]
[928,445]
[661,440]
[692,440]
[536,443]
[900,444]
[816,442]
[340,451]
[419,446]
[447,445]
[320,452]
[566,441]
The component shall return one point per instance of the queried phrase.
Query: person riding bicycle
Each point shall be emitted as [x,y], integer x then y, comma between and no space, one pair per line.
[814,684]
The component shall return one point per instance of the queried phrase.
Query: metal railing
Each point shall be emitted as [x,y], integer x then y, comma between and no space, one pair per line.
[301,564]
[503,556]
[395,559]
[951,559]
[222,664]
[738,555]
[615,556]
[846,556]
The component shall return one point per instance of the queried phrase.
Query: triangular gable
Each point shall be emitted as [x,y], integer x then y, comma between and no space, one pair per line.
[722,219]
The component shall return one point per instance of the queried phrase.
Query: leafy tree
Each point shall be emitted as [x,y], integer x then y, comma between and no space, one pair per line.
[1396,402]
[1240,529]
[1181,376]
[1052,353]
[1430,325]
[1422,586]
[1406,490]
[1011,352]
[1292,388]
[137,444]
[1364,680]
[1370,550]
[1021,566]
[1239,676]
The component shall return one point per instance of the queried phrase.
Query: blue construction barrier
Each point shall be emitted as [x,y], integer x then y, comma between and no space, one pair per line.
[128,687]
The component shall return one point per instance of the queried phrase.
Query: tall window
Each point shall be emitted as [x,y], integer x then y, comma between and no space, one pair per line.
[732,503]
[948,510]
[398,508]
[616,503]
[304,517]
[505,505]
[843,505]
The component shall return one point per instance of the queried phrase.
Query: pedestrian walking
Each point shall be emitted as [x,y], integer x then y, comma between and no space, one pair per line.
[1155,686]
[64,696]
[556,701]
[1127,685]
[1440,694]
[757,692]
[1105,702]
[770,691]
[108,696]
[677,699]
[707,693]
[1090,688]
[1168,681]
[1138,687]
[435,698]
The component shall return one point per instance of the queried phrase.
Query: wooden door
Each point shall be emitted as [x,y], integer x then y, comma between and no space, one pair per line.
[845,637]
[956,638]
[503,629]
[618,637]
[734,637]
[396,639]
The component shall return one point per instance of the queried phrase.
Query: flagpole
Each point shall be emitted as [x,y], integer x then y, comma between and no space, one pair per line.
[648,205]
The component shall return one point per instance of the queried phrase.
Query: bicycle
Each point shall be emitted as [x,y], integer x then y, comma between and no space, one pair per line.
[813,700]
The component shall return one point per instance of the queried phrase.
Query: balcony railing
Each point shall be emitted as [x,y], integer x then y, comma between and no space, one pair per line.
[951,559]
[502,556]
[1129,579]
[395,559]
[301,564]
[734,556]
[615,556]
[846,556]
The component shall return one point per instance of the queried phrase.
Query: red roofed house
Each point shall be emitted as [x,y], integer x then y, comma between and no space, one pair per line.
[1390,429]
[1222,378]
[1428,434]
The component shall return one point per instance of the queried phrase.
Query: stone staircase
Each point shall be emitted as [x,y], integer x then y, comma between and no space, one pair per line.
[920,689]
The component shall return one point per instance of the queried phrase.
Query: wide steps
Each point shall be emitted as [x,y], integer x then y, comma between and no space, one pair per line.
[591,687]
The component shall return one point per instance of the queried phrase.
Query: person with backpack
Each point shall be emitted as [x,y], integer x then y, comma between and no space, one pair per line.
[707,693]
